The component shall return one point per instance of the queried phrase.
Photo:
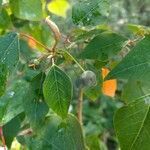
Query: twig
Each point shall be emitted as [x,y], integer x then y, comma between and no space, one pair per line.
[80,106]
[26,132]
[74,60]
[125,49]
[30,37]
[2,137]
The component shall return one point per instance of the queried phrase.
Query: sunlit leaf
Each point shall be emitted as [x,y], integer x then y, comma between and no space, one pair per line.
[15,145]
[4,19]
[138,29]
[59,7]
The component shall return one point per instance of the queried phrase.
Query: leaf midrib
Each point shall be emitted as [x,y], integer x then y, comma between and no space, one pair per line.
[129,68]
[140,130]
[59,97]
[112,44]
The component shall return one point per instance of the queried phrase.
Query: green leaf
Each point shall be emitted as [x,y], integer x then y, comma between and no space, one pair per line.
[103,45]
[11,104]
[135,90]
[9,50]
[11,129]
[94,143]
[93,93]
[4,19]
[18,23]
[31,74]
[136,64]
[58,134]
[26,53]
[87,12]
[82,35]
[27,9]
[57,89]
[41,32]
[132,125]
[3,78]
[35,108]
[35,112]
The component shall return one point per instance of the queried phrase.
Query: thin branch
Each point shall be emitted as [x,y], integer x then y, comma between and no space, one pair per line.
[80,106]
[25,132]
[2,137]
[30,37]
[74,60]
[126,48]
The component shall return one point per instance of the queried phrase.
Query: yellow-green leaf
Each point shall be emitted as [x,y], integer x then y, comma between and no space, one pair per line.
[58,7]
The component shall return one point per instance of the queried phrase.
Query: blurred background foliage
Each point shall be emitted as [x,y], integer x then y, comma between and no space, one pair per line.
[79,21]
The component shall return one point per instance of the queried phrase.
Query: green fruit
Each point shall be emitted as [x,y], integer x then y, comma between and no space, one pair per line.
[88,79]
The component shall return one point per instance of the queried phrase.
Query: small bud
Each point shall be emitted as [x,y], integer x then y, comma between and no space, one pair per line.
[36,62]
